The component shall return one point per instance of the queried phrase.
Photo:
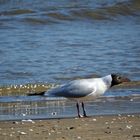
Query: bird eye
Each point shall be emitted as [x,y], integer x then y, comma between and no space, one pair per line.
[118,78]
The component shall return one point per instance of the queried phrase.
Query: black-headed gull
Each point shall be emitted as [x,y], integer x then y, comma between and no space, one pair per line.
[86,89]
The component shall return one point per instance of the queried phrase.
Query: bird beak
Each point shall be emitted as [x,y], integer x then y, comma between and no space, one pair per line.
[124,79]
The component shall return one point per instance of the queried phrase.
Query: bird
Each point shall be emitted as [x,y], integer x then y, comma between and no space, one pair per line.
[81,90]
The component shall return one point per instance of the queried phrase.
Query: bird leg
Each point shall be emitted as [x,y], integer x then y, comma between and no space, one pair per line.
[84,112]
[78,110]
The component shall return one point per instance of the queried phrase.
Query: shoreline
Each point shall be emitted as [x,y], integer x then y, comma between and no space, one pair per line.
[48,109]
[70,117]
[107,127]
[27,89]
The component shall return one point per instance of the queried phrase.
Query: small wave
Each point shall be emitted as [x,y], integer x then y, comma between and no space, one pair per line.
[18,74]
[76,77]
[45,15]
[89,14]
[60,16]
[106,12]
[37,21]
[99,13]
[16,12]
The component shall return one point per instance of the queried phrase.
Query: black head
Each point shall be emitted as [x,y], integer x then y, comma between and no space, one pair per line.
[118,79]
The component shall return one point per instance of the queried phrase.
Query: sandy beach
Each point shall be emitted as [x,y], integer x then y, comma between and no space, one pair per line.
[116,127]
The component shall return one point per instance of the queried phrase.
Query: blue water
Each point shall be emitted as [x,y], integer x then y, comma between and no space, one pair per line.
[48,41]
[116,101]
[43,108]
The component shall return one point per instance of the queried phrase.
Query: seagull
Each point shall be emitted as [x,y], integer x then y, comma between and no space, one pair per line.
[85,89]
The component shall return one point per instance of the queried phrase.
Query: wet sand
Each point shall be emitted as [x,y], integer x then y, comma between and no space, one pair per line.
[116,127]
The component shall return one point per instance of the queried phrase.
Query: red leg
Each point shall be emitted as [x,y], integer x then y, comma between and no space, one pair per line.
[78,110]
[84,112]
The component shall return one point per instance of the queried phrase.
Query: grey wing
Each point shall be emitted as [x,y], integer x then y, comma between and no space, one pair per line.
[73,89]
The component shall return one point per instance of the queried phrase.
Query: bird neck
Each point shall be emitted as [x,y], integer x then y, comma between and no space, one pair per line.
[108,80]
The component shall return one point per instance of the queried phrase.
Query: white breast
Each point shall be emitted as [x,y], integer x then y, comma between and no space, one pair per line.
[99,88]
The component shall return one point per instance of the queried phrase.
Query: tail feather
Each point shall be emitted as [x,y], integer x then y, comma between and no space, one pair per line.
[37,94]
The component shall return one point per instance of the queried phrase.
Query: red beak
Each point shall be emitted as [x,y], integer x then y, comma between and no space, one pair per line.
[125,79]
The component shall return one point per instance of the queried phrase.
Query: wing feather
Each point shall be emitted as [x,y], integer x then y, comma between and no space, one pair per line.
[74,89]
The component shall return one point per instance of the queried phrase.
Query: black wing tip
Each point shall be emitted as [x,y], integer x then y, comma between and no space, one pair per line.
[37,94]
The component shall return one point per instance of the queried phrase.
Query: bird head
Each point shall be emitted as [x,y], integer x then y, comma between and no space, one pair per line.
[118,79]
